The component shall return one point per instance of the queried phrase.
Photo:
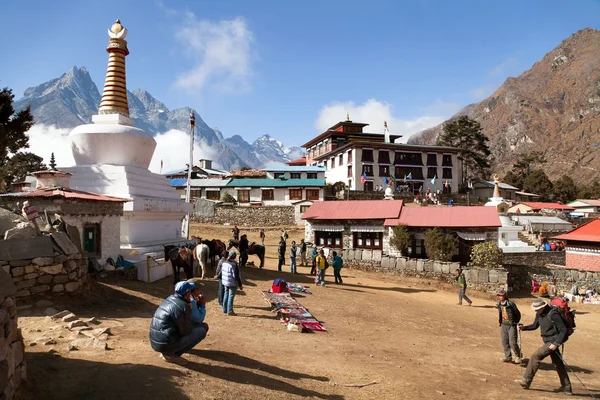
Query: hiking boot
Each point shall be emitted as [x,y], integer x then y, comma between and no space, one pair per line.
[524,385]
[565,389]
[470,303]
[518,361]
[507,360]
[231,314]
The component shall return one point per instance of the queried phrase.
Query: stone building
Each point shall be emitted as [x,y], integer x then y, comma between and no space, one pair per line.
[96,216]
[583,247]
[484,190]
[584,207]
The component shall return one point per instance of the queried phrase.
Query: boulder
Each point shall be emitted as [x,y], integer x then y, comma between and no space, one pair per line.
[89,344]
[52,269]
[71,286]
[43,261]
[66,318]
[62,314]
[23,230]
[76,323]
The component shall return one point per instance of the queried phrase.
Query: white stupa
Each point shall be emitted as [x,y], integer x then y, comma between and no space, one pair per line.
[112,157]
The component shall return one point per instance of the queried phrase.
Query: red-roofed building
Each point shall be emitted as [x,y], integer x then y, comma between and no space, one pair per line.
[534,207]
[583,246]
[97,217]
[471,225]
[353,224]
[298,162]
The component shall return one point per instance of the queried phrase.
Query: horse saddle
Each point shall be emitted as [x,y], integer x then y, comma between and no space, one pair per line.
[174,254]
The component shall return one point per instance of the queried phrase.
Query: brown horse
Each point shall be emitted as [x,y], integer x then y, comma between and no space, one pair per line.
[180,257]
[253,249]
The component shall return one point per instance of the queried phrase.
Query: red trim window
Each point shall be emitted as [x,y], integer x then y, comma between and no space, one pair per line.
[213,194]
[312,194]
[243,196]
[295,194]
[268,194]
[368,240]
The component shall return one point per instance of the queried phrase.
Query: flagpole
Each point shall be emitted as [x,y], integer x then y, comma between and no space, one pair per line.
[189,175]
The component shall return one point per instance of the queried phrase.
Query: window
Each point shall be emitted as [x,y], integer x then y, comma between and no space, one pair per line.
[447,173]
[415,172]
[384,157]
[350,157]
[268,194]
[447,160]
[278,175]
[349,171]
[312,194]
[329,239]
[368,240]
[295,194]
[431,172]
[368,186]
[303,209]
[213,194]
[419,245]
[384,170]
[368,169]
[295,175]
[367,155]
[243,196]
[341,160]
[311,175]
[408,158]
[195,193]
[432,159]
[333,162]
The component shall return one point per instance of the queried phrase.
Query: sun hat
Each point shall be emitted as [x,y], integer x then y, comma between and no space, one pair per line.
[538,305]
[182,287]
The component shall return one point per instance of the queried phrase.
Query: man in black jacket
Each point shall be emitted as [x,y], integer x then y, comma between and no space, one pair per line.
[509,317]
[171,329]
[243,247]
[554,333]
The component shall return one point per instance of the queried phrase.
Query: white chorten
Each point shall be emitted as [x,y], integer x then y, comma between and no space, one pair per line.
[112,157]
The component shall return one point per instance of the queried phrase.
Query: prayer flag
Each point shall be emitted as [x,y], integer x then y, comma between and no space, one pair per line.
[393,178]
[386,180]
[363,177]
[433,180]
[409,176]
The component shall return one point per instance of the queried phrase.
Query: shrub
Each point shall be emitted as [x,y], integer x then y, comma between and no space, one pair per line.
[486,255]
[401,239]
[228,198]
[439,246]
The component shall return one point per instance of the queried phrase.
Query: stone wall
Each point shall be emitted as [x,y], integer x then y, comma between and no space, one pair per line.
[563,278]
[535,259]
[13,368]
[251,216]
[374,260]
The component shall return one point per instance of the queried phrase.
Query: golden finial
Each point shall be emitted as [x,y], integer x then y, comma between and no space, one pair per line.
[116,27]
[347,117]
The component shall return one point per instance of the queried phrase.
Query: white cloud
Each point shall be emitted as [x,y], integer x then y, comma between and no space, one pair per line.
[222,53]
[45,140]
[169,149]
[374,113]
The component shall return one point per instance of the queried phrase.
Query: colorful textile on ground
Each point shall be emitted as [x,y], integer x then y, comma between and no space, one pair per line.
[294,287]
[290,311]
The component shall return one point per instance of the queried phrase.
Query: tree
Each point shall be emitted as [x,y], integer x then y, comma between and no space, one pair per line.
[513,179]
[591,191]
[401,238]
[20,165]
[228,198]
[526,162]
[439,246]
[565,189]
[486,255]
[537,182]
[466,134]
[13,138]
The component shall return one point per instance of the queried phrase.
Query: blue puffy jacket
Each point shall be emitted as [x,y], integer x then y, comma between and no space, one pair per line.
[172,320]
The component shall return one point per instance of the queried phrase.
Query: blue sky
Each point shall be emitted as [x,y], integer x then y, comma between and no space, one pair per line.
[290,69]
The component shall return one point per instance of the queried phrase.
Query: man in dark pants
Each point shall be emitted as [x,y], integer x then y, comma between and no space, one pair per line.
[243,250]
[509,317]
[462,288]
[281,254]
[554,333]
[171,330]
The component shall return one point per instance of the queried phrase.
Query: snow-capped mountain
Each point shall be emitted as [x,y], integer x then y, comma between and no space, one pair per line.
[73,98]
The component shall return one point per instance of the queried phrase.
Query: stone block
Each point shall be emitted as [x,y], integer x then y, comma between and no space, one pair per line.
[411,264]
[367,255]
[437,267]
[428,265]
[43,261]
[6,268]
[45,279]
[75,256]
[22,293]
[581,276]
[483,276]
[26,284]
[18,271]
[76,323]
[89,344]
[52,269]
[454,266]
[72,286]
[31,268]
[493,276]
[61,279]
[73,275]
[358,254]
[33,275]
[60,259]
[69,265]
[401,263]
[502,276]
[61,315]
[377,254]
[385,262]
[18,263]
[39,289]
[445,268]
[70,317]
[420,265]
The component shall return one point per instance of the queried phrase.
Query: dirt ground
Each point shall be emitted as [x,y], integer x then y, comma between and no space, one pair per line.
[406,334]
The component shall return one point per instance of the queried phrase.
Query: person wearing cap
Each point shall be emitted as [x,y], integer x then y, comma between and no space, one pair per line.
[171,330]
[509,317]
[232,281]
[554,333]
[198,302]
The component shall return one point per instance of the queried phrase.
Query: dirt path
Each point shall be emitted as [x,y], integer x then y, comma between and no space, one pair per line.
[406,334]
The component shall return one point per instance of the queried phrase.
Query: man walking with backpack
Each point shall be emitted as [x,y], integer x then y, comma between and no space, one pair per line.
[554,331]
[509,317]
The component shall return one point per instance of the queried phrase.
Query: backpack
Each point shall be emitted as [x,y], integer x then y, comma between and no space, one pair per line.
[279,286]
[561,306]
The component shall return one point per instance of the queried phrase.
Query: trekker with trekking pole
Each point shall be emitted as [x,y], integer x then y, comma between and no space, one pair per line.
[554,332]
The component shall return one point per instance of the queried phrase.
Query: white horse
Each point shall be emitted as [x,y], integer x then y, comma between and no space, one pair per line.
[201,256]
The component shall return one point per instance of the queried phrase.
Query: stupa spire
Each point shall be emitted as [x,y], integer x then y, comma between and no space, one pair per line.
[114,96]
[496,186]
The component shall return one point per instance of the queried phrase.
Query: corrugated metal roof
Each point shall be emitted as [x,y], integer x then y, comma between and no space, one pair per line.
[447,217]
[501,185]
[353,209]
[214,171]
[586,233]
[296,168]
[66,193]
[595,203]
[539,219]
[243,182]
[536,205]
[211,182]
